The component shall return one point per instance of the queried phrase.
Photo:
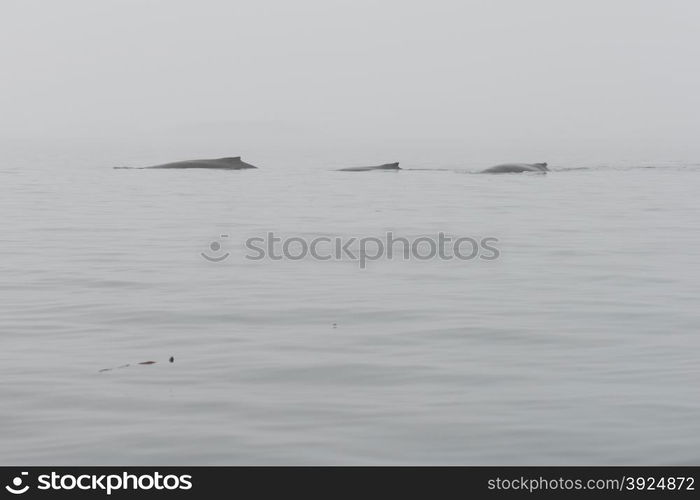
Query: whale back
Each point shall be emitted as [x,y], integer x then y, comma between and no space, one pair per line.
[385,166]
[508,168]
[228,163]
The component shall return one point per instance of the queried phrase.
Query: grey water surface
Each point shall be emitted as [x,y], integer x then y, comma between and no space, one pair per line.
[579,345]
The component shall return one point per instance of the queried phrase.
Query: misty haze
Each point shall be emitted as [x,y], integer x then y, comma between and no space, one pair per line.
[554,144]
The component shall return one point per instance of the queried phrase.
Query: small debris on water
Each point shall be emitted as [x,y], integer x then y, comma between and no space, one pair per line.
[171,359]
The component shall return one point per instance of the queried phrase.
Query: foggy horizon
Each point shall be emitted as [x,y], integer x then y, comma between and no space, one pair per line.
[479,77]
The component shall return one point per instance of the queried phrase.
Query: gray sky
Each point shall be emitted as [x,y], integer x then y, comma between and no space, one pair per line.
[616,74]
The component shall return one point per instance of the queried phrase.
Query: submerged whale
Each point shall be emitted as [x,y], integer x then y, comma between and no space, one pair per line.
[231,163]
[509,168]
[386,166]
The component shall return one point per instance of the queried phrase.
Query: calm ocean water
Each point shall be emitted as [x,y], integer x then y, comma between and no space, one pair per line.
[579,345]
